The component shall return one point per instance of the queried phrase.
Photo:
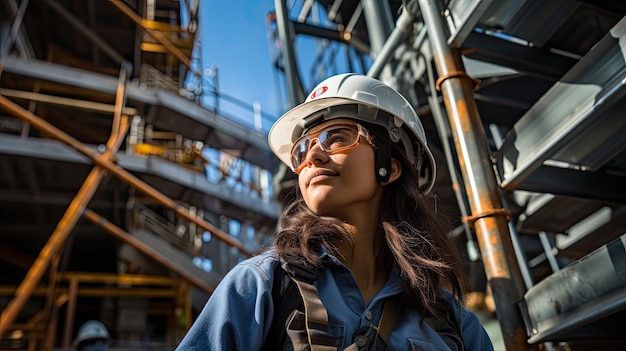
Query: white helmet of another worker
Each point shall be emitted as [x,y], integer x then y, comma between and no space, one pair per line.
[364,99]
[92,332]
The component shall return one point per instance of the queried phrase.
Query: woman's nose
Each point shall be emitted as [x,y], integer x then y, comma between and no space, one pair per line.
[315,155]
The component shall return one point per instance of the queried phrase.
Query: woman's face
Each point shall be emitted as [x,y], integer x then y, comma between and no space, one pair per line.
[342,184]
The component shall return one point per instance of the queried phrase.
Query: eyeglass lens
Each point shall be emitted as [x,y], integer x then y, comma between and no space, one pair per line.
[335,138]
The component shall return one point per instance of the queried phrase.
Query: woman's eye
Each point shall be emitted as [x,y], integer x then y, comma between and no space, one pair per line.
[338,139]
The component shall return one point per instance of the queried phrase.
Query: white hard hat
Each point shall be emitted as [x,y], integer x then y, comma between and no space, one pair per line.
[371,96]
[91,330]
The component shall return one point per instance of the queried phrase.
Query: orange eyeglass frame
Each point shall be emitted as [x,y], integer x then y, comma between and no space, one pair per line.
[361,132]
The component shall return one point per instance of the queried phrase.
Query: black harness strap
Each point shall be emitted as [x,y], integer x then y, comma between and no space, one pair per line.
[447,327]
[301,320]
[286,300]
[391,310]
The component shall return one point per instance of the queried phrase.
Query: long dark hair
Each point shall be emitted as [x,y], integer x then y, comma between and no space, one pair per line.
[415,235]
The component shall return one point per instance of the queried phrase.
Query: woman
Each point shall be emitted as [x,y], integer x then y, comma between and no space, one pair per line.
[379,271]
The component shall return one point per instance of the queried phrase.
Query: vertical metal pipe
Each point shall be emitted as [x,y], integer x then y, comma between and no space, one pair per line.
[488,216]
[286,36]
[17,23]
[385,52]
[379,23]
[379,26]
[444,134]
[51,306]
[69,313]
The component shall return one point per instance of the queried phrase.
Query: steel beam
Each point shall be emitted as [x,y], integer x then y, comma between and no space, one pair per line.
[52,151]
[576,183]
[286,35]
[330,34]
[103,292]
[119,172]
[586,105]
[224,134]
[462,17]
[586,290]
[62,101]
[524,59]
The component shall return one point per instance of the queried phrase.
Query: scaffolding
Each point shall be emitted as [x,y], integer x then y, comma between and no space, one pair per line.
[108,211]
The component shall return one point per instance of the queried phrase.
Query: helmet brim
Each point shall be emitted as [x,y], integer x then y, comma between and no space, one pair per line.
[281,136]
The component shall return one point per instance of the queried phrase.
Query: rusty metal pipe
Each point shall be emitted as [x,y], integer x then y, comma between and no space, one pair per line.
[69,314]
[488,217]
[120,101]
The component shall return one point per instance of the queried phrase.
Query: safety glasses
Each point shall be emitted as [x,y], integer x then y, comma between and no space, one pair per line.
[338,138]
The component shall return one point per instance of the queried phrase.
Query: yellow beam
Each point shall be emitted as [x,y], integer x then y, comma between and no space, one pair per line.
[99,292]
[110,278]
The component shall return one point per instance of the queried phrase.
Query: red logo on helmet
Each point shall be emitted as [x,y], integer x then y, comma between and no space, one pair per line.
[319,92]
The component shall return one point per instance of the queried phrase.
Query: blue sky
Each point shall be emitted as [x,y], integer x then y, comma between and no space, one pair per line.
[235,38]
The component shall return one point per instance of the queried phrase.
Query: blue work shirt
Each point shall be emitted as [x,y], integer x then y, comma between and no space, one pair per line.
[239,313]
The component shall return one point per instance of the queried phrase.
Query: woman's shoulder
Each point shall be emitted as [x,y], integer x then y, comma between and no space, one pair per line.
[263,263]
[252,274]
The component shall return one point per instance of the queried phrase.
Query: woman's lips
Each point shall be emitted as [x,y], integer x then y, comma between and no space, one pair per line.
[319,175]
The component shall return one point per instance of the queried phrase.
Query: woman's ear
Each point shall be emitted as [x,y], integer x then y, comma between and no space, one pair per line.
[396,171]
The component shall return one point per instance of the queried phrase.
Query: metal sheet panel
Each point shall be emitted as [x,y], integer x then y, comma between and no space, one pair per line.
[580,104]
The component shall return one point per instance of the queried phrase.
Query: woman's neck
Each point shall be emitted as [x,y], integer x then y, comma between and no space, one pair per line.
[367,261]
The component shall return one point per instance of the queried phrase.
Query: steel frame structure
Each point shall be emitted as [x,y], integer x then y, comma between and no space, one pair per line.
[567,134]
[95,94]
